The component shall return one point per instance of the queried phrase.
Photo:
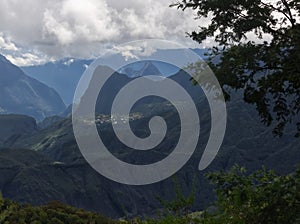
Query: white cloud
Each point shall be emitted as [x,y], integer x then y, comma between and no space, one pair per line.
[60,30]
[75,21]
[134,51]
[26,59]
[6,44]
[83,28]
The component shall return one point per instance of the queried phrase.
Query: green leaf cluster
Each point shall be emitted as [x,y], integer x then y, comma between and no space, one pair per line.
[262,197]
[267,65]
[52,213]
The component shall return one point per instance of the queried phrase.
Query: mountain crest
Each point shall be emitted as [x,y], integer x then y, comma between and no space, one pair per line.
[136,70]
[21,94]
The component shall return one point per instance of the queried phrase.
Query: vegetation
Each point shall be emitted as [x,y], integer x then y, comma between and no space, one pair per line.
[262,197]
[53,213]
[257,49]
[259,198]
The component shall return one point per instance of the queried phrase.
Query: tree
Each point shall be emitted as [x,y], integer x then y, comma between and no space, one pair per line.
[54,212]
[181,205]
[267,69]
[262,197]
[259,198]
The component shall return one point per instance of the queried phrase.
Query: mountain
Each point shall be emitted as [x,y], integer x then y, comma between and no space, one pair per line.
[21,94]
[118,80]
[48,121]
[13,127]
[147,68]
[54,169]
[62,75]
[46,164]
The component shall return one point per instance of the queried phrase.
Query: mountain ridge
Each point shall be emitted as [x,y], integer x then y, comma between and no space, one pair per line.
[21,94]
[67,177]
[64,74]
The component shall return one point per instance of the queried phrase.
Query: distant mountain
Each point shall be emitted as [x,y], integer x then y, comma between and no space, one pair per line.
[67,112]
[48,121]
[63,75]
[21,94]
[148,68]
[200,52]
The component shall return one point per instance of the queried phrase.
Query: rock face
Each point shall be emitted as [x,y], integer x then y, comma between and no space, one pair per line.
[21,94]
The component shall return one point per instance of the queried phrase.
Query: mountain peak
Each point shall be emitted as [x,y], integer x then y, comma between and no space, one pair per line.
[150,69]
[138,69]
[3,59]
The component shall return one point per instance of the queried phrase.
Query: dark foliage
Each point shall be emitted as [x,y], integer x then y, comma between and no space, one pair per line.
[267,71]
[52,213]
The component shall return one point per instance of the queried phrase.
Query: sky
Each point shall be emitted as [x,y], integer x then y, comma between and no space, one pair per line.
[35,31]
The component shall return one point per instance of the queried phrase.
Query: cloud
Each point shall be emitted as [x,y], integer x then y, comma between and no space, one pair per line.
[6,44]
[80,21]
[83,28]
[25,59]
[134,51]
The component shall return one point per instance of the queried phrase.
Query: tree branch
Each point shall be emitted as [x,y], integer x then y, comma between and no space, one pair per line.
[291,18]
[281,11]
